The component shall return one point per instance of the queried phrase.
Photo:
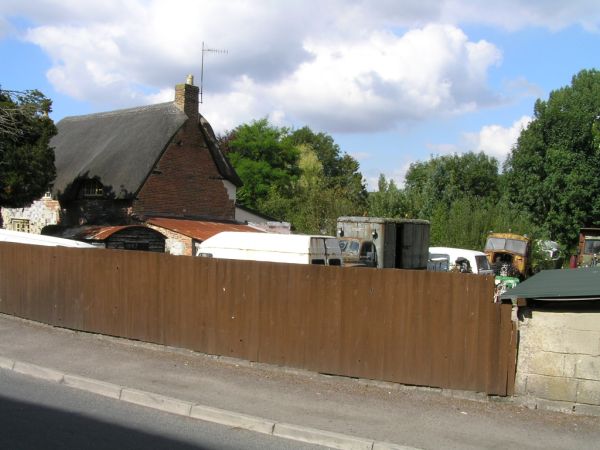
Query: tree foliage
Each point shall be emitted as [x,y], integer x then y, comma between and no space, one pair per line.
[461,195]
[388,200]
[553,171]
[340,171]
[298,176]
[448,178]
[26,159]
[263,159]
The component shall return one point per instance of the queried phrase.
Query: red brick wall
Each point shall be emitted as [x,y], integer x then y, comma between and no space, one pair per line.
[185,181]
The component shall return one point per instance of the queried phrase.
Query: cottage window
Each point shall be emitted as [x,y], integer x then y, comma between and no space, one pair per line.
[92,188]
[20,225]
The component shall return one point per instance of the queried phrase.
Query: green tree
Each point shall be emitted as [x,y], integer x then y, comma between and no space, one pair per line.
[445,179]
[299,176]
[468,221]
[552,172]
[264,160]
[312,206]
[26,159]
[340,171]
[388,200]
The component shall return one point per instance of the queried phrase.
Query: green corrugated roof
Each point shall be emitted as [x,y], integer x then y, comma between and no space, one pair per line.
[561,284]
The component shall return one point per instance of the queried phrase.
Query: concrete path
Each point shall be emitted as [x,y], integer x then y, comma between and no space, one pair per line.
[331,411]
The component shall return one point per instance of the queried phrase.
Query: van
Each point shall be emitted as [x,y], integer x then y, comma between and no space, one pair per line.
[273,247]
[448,259]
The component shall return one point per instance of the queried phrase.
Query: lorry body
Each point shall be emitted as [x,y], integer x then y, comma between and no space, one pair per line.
[273,247]
[589,247]
[509,254]
[384,243]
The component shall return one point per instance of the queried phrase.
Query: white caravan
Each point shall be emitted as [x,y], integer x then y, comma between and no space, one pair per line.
[39,239]
[443,259]
[273,247]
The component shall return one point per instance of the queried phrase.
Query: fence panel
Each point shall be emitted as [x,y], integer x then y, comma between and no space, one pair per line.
[412,327]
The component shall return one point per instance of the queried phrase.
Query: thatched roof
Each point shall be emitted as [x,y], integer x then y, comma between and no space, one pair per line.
[120,148]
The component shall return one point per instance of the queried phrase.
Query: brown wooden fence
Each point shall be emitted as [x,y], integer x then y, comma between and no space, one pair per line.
[412,327]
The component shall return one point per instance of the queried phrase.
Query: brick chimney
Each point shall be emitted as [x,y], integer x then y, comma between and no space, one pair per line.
[186,98]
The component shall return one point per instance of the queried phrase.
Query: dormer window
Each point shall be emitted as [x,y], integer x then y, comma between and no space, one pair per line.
[92,188]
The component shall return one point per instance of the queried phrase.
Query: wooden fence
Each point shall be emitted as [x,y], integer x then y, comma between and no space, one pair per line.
[411,327]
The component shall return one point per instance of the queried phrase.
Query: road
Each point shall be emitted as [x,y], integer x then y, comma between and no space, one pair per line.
[35,414]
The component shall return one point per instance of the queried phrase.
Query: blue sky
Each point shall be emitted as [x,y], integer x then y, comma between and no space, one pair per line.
[392,82]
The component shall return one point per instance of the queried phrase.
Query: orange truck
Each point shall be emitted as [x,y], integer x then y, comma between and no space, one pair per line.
[509,254]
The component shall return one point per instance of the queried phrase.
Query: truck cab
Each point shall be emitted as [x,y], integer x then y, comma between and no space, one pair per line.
[509,254]
[589,247]
[358,253]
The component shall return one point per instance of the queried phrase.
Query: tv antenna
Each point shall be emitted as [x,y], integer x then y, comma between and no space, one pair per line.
[207,50]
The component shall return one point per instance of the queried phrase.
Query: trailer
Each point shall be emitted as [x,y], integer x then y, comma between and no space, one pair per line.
[383,242]
[20,237]
[273,247]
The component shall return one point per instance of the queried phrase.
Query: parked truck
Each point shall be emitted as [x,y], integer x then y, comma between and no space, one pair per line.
[588,253]
[384,243]
[509,254]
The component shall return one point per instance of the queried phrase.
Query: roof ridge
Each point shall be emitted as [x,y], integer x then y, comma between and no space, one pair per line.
[124,111]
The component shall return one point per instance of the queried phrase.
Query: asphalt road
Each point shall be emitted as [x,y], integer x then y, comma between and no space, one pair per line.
[381,412]
[35,414]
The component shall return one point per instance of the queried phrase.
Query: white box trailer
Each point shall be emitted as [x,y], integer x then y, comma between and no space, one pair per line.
[273,247]
[20,237]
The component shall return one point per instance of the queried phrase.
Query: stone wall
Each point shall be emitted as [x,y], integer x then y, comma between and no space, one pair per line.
[176,243]
[40,213]
[558,363]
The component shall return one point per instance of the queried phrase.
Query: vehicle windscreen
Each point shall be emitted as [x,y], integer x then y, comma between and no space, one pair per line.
[482,263]
[331,244]
[508,245]
[438,262]
[349,246]
[591,246]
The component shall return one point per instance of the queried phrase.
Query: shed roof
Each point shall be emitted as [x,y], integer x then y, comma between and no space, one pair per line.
[380,220]
[198,229]
[559,285]
[101,233]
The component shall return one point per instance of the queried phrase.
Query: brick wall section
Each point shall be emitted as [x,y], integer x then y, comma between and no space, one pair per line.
[185,181]
[186,99]
[558,365]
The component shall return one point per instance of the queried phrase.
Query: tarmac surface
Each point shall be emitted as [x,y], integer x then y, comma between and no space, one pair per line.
[332,411]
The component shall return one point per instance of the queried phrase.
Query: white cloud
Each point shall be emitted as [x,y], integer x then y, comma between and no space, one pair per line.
[382,79]
[372,81]
[496,140]
[353,66]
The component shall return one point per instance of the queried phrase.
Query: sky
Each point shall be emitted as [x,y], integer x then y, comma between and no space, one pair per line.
[393,82]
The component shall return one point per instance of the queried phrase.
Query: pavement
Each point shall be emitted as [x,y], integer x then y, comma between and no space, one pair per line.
[336,412]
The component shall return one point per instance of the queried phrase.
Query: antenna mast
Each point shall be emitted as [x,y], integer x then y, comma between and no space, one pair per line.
[207,50]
